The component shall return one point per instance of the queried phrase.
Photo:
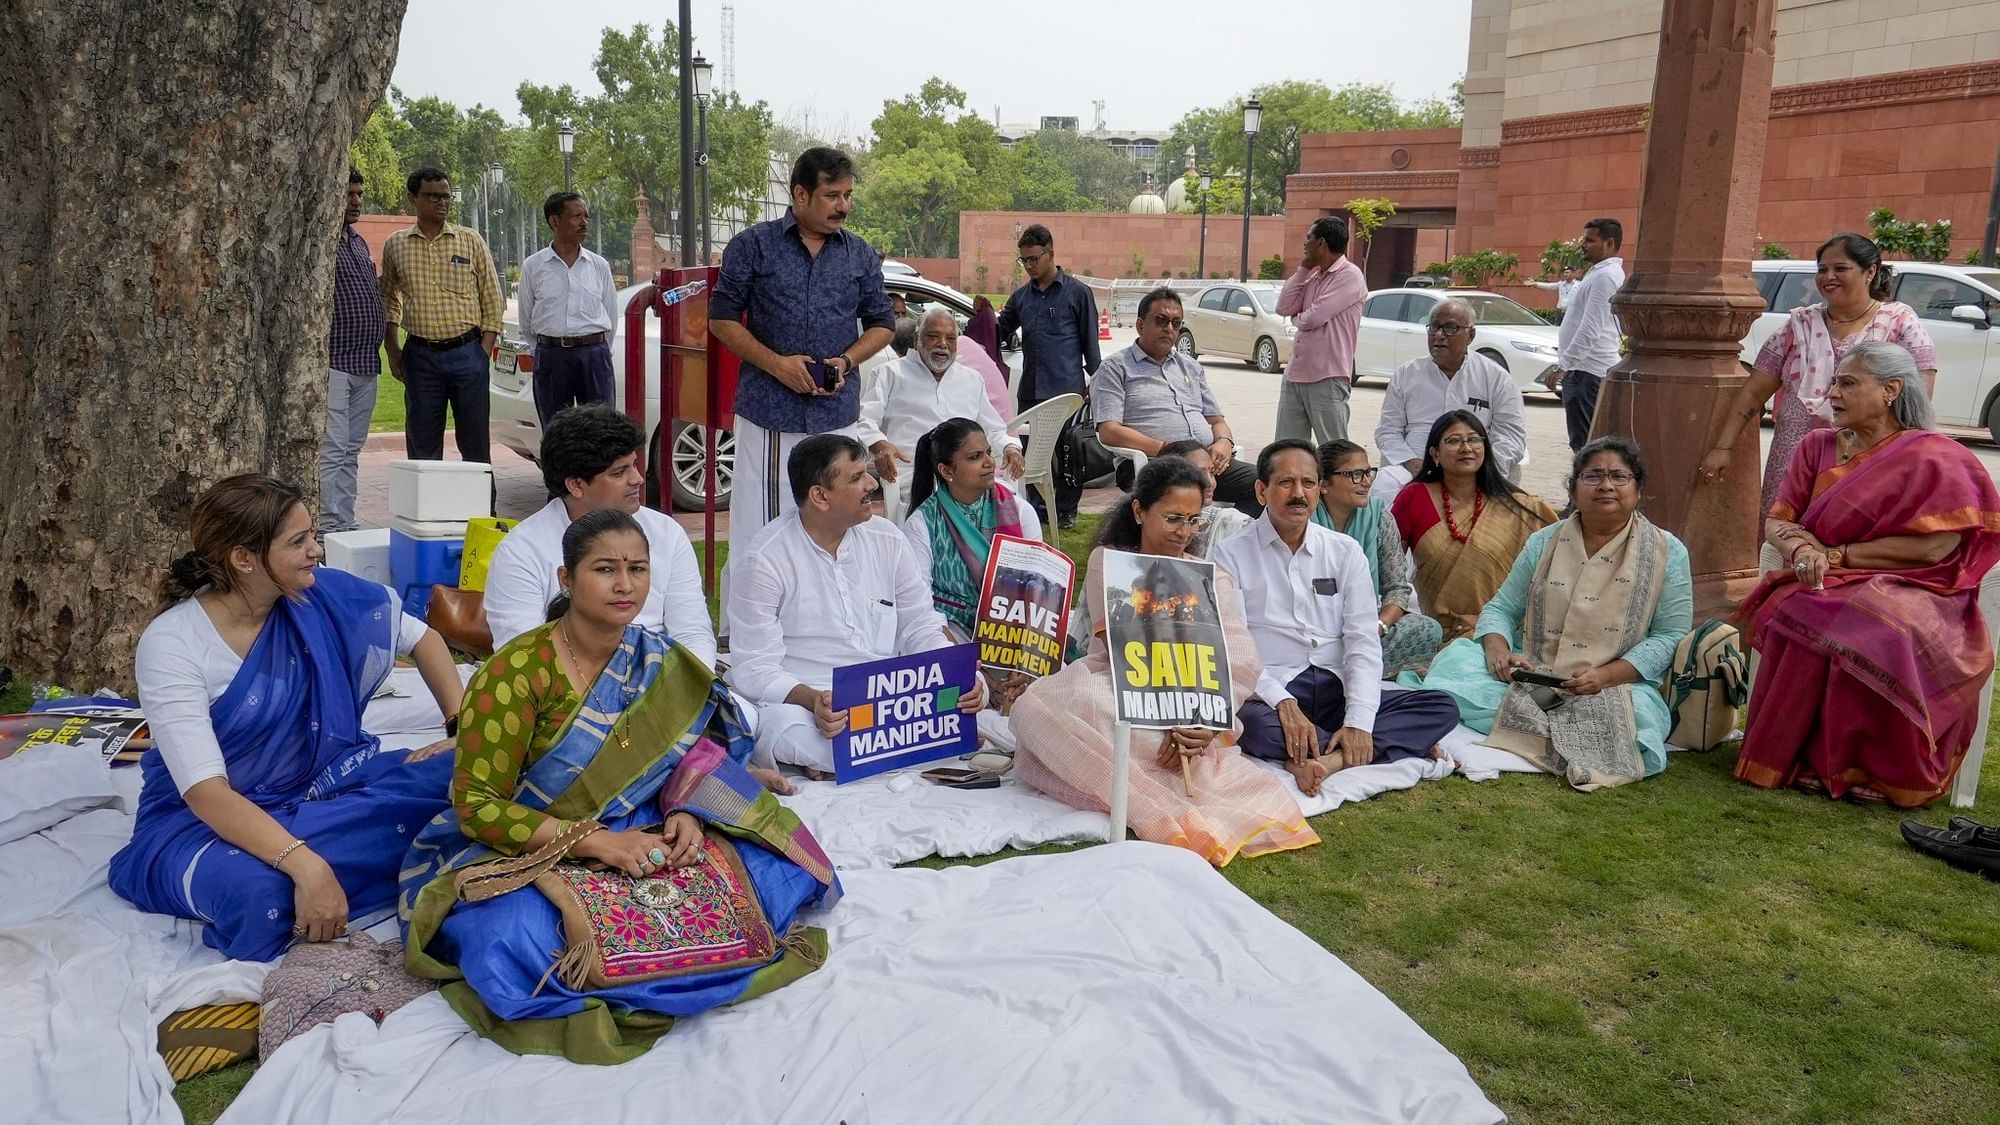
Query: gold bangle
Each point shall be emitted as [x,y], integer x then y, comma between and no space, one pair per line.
[295,845]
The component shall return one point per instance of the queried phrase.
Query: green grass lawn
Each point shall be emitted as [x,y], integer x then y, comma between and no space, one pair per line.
[1688,949]
[388,417]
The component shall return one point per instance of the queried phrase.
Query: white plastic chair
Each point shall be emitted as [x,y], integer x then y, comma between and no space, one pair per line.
[1046,418]
[1125,456]
[1965,787]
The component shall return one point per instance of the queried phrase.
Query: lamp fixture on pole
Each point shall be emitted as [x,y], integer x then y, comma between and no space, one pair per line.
[566,141]
[1201,256]
[1253,116]
[703,73]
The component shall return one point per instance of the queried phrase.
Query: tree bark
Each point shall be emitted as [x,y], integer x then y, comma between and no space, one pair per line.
[169,198]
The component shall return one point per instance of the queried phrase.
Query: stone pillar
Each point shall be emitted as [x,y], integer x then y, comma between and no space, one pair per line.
[645,244]
[1690,300]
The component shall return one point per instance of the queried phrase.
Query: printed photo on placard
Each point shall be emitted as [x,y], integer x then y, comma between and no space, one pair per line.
[1169,659]
[903,711]
[1023,607]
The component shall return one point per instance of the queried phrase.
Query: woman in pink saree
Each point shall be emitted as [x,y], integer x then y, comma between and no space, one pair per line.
[1873,650]
[1063,722]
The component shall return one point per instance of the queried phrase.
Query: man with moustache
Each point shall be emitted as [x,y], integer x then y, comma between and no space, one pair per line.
[354,363]
[1309,602]
[569,308]
[804,281]
[1452,377]
[911,396]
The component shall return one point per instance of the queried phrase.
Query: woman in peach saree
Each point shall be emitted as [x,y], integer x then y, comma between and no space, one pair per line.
[1064,722]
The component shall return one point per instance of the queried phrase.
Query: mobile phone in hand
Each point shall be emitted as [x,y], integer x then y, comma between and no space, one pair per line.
[823,374]
[1525,676]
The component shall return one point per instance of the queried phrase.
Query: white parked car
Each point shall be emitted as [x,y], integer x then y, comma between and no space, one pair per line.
[1393,324]
[1960,307]
[1238,320]
[515,425]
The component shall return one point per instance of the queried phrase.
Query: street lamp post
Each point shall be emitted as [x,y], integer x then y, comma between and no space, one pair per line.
[498,177]
[702,73]
[566,141]
[1201,256]
[686,225]
[1253,115]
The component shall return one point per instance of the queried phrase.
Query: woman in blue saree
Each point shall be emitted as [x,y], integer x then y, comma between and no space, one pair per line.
[607,863]
[266,811]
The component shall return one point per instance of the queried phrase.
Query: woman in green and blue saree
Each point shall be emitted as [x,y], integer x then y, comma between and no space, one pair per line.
[607,864]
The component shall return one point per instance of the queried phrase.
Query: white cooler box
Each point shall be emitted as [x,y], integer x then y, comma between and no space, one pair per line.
[364,554]
[431,491]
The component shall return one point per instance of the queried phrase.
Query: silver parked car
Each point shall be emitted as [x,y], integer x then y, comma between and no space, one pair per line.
[1239,320]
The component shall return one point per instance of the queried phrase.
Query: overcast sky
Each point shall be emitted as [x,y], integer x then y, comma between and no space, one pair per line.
[832,65]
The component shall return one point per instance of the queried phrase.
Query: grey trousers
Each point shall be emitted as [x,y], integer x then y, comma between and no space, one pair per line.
[1314,411]
[350,403]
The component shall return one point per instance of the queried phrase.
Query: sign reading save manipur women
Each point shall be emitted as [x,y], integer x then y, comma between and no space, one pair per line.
[902,711]
[1169,659]
[1023,607]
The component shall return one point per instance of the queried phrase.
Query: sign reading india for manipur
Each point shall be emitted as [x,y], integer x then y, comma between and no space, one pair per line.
[1169,659]
[903,711]
[1023,607]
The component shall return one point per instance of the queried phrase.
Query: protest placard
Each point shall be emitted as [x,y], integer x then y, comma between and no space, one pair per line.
[119,734]
[1023,607]
[1169,658]
[903,710]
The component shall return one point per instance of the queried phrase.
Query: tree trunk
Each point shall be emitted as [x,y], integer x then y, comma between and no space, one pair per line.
[169,195]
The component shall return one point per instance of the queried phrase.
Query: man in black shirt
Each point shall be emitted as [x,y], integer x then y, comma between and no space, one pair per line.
[1057,318]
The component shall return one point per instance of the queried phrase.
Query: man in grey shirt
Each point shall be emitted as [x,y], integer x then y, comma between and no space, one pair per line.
[1149,395]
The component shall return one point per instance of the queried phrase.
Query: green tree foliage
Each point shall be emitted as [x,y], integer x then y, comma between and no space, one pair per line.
[1774,252]
[1368,216]
[375,155]
[1102,179]
[1477,269]
[1562,254]
[1924,242]
[1291,110]
[931,159]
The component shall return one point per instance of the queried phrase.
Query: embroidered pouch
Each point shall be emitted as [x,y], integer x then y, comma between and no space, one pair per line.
[317,982]
[622,930]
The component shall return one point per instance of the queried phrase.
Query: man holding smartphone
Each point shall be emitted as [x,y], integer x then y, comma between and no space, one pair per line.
[792,295]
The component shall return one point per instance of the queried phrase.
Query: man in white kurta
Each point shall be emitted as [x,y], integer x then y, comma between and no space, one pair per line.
[828,584]
[1452,377]
[590,456]
[1310,605]
[908,398]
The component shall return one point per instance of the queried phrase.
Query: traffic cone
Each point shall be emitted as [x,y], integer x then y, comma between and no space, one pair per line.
[1104,325]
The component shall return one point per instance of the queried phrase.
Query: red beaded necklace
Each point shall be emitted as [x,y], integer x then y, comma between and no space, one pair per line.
[1451,525]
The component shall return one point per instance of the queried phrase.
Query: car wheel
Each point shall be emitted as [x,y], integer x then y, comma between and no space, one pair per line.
[1186,344]
[1993,420]
[685,461]
[1267,356]
[1496,357]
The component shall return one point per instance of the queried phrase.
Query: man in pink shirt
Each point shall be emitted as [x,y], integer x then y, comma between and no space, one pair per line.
[1324,300]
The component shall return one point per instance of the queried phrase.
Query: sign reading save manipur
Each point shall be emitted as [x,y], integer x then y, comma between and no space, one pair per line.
[1023,607]
[1169,658]
[902,711]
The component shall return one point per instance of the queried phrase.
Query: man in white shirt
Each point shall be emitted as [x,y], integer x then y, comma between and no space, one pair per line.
[908,398]
[1587,342]
[827,584]
[1564,285]
[1310,606]
[568,306]
[1452,377]
[590,460]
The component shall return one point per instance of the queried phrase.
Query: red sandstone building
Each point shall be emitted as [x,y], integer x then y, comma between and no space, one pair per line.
[1875,103]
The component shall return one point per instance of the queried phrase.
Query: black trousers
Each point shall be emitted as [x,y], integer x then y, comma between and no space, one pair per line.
[1237,487]
[434,378]
[567,376]
[1407,725]
[1579,395]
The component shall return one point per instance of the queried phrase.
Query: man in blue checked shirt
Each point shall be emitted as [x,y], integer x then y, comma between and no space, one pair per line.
[801,302]
[354,361]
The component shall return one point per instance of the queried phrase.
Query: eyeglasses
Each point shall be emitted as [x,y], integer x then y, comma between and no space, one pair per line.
[1447,330]
[435,196]
[1165,321]
[1030,260]
[1463,441]
[1358,476]
[1595,477]
[1178,522]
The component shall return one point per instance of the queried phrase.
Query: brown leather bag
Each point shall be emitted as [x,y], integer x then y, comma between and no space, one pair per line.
[459,616]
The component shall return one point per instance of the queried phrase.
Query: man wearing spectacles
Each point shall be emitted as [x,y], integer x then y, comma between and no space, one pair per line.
[1323,298]
[1451,377]
[1057,317]
[439,286]
[1151,394]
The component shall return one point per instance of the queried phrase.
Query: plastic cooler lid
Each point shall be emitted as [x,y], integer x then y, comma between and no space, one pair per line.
[440,466]
[428,529]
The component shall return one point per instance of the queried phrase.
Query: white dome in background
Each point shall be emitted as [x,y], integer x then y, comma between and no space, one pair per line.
[1146,203]
[1177,194]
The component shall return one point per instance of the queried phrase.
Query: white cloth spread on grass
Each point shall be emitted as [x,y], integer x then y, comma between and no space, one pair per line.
[1046,989]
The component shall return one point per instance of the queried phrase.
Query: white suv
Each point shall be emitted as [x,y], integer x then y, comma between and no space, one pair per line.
[1960,307]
